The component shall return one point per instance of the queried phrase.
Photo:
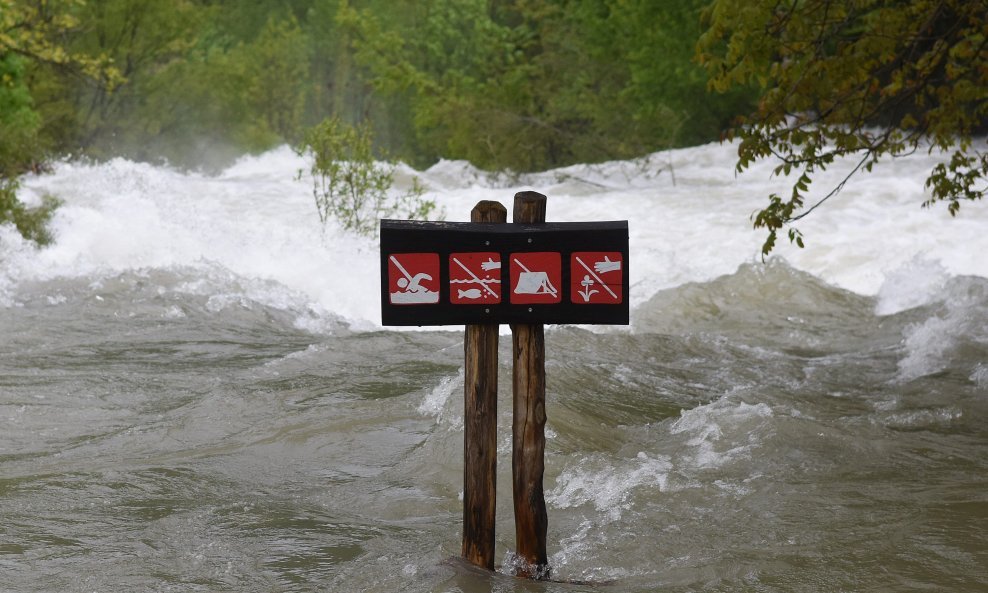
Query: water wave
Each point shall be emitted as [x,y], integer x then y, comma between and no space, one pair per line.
[688,212]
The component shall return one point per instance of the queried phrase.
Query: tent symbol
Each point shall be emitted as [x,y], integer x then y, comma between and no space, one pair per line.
[530,282]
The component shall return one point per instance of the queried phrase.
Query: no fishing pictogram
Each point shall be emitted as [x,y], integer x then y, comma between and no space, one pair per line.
[475,278]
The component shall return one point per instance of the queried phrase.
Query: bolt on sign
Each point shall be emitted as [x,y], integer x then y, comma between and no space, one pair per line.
[450,273]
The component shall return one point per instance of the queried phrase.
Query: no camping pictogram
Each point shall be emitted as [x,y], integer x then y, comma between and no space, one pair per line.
[536,278]
[596,277]
[475,278]
[413,278]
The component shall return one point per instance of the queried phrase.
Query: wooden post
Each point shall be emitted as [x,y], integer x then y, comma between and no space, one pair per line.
[480,424]
[528,427]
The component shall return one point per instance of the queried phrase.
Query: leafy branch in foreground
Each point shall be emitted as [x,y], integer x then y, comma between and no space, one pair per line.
[841,78]
[351,186]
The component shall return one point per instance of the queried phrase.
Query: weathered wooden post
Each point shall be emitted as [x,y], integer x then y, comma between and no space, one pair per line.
[528,426]
[480,424]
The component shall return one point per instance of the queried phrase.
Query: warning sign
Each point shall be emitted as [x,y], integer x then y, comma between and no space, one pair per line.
[413,278]
[536,278]
[452,273]
[475,278]
[596,277]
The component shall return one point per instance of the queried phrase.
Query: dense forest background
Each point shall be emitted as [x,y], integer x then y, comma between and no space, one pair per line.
[507,84]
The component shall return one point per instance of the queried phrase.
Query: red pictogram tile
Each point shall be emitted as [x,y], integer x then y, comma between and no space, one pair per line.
[596,277]
[475,278]
[536,278]
[413,278]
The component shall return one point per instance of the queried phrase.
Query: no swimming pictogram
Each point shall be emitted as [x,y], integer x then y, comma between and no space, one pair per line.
[413,278]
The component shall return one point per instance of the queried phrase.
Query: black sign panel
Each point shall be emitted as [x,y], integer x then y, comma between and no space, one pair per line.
[454,273]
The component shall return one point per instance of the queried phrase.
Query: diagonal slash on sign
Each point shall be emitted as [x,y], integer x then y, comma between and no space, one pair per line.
[402,269]
[476,279]
[596,277]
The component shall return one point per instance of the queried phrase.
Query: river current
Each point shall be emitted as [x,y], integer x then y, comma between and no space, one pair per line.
[196,393]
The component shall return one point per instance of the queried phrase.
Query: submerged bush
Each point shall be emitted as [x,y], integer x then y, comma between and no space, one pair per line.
[351,186]
[31,223]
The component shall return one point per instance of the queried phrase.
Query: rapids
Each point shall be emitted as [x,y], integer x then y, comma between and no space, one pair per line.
[196,393]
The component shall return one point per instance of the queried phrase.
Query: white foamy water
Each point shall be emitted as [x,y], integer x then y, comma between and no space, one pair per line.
[252,231]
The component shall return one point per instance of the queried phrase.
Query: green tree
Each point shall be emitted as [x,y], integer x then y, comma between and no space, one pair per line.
[19,122]
[279,68]
[30,32]
[19,148]
[203,81]
[531,84]
[462,74]
[33,33]
[145,39]
[863,78]
[666,88]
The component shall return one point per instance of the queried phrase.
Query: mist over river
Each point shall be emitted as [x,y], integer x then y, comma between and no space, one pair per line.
[196,393]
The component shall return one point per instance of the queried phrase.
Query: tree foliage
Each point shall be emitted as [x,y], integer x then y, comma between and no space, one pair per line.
[198,87]
[18,126]
[862,78]
[30,32]
[19,122]
[527,85]
[506,84]
[34,30]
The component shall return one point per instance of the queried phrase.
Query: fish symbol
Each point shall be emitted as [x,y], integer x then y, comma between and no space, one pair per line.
[470,293]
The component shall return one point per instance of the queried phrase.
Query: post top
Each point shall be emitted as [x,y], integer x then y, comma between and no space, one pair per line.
[530,207]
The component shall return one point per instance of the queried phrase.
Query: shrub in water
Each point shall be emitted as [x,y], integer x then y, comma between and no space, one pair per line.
[350,185]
